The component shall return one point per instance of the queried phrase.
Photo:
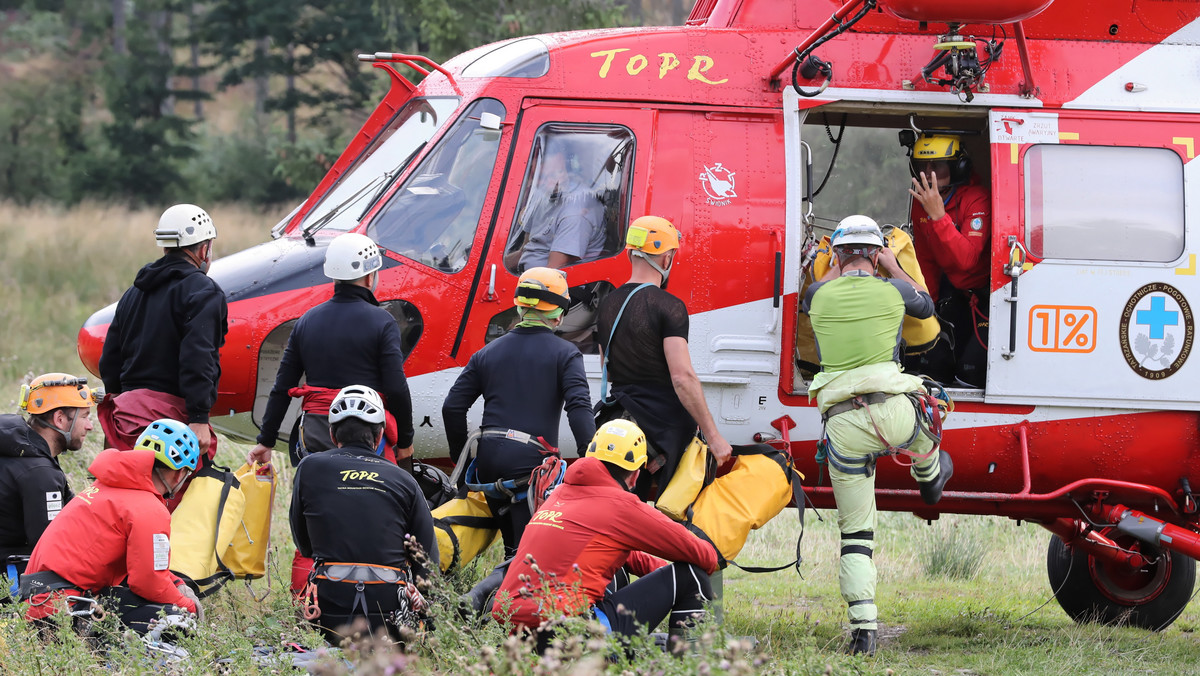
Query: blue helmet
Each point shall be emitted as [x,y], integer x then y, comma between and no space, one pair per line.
[174,444]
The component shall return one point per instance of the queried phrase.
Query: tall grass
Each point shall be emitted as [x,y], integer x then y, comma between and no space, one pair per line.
[58,265]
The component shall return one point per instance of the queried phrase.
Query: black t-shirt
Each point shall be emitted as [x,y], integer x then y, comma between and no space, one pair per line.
[636,354]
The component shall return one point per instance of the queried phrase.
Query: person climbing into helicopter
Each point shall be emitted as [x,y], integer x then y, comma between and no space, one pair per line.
[870,409]
[952,223]
[527,378]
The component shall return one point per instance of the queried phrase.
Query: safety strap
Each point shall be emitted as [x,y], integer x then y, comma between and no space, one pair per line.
[613,332]
[362,573]
[512,490]
[928,421]
[43,582]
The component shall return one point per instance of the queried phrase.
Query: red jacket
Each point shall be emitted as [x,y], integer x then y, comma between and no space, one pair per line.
[116,529]
[588,529]
[955,245]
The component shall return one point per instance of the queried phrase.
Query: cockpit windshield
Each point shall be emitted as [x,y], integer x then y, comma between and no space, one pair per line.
[433,217]
[372,172]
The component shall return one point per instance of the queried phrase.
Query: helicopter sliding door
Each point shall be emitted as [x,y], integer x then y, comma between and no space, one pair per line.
[1094,270]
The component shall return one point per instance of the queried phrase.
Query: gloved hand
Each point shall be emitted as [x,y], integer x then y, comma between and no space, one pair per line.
[189,594]
[415,600]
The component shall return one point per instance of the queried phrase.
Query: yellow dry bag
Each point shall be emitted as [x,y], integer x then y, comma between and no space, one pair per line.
[919,334]
[246,556]
[762,482]
[464,528]
[203,525]
[694,471]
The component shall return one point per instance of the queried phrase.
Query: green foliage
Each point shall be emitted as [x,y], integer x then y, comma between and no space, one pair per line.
[950,551]
[449,27]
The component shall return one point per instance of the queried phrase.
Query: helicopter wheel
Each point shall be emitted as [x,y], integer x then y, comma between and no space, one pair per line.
[1090,589]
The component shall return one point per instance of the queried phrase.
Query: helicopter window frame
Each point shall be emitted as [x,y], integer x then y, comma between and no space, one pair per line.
[1077,207]
[447,189]
[616,208]
[337,194]
[527,58]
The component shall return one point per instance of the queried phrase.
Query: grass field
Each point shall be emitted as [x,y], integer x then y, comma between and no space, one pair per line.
[997,616]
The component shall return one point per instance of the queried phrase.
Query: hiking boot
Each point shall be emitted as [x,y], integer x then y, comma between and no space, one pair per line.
[478,602]
[931,491]
[862,642]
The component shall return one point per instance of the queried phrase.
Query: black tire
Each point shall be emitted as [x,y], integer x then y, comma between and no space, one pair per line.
[1091,591]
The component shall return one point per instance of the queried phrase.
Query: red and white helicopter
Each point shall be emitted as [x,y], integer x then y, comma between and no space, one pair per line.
[1085,129]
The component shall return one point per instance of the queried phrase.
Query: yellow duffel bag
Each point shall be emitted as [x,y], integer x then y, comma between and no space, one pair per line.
[762,482]
[919,334]
[464,528]
[696,469]
[246,556]
[213,497]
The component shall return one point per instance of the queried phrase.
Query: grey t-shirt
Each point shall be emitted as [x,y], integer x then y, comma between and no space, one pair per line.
[574,226]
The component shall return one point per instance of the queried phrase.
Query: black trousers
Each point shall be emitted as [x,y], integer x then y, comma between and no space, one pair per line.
[679,591]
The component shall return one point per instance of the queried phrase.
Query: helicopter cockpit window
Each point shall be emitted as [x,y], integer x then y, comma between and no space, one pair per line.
[527,57]
[432,218]
[388,155]
[575,197]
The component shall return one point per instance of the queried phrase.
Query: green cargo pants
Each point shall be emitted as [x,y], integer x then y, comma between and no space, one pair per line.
[853,440]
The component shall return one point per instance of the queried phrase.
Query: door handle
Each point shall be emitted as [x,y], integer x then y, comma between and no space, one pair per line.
[491,290]
[1014,268]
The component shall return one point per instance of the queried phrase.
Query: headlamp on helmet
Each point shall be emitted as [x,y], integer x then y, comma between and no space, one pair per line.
[55,390]
[653,235]
[543,289]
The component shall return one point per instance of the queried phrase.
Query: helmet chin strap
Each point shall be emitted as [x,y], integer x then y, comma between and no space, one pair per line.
[657,268]
[172,491]
[66,434]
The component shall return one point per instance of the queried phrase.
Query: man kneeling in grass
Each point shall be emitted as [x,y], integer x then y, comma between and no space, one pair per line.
[590,535]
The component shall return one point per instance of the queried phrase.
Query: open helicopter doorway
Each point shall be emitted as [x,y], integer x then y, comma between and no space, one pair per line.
[852,159]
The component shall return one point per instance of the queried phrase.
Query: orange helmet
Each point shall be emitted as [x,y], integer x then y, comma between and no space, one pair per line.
[652,234]
[542,289]
[55,390]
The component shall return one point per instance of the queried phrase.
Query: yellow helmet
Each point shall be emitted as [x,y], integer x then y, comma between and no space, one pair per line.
[55,390]
[621,443]
[930,147]
[652,234]
[542,289]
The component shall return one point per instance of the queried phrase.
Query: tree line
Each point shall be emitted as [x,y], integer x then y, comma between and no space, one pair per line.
[133,100]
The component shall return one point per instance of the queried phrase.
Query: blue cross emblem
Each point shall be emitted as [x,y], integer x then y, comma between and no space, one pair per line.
[1157,317]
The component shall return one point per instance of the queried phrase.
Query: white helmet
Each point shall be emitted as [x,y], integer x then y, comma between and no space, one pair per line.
[857,229]
[352,256]
[184,225]
[357,401]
